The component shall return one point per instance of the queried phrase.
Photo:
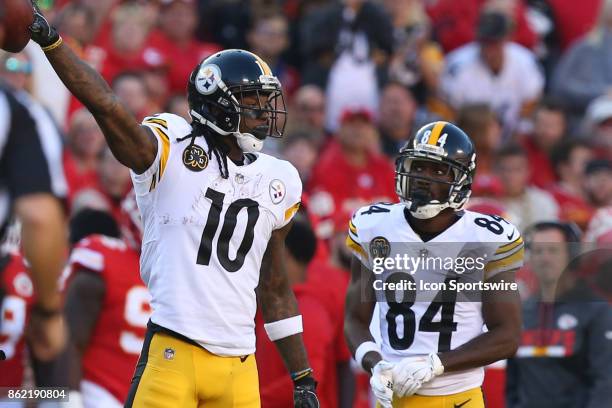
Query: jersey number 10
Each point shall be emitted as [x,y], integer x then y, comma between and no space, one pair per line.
[227,230]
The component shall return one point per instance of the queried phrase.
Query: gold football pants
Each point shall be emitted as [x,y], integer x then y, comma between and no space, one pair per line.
[472,398]
[173,373]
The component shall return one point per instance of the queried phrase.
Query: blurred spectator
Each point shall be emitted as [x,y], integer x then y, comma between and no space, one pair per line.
[507,75]
[113,182]
[269,38]
[417,61]
[125,46]
[572,22]
[131,89]
[76,22]
[348,174]
[454,21]
[84,144]
[598,124]
[301,151]
[598,182]
[487,195]
[16,70]
[308,112]
[549,127]
[569,159]
[563,359]
[224,22]
[481,124]
[178,105]
[346,48]
[529,204]
[175,40]
[396,121]
[583,73]
[276,388]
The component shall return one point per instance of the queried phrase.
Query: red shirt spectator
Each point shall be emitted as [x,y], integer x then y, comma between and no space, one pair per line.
[572,20]
[572,207]
[541,170]
[175,40]
[275,385]
[331,284]
[349,174]
[454,23]
[181,59]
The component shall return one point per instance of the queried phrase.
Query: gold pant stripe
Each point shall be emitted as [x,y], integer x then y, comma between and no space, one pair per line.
[177,374]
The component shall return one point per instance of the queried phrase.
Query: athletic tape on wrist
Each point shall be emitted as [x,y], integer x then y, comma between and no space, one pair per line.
[363,349]
[284,328]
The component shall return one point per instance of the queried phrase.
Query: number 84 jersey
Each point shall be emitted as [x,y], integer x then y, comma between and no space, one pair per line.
[205,236]
[430,316]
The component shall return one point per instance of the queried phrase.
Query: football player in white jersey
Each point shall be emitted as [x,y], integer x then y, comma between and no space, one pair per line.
[215,213]
[433,344]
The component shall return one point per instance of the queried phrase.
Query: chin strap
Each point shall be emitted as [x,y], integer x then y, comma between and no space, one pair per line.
[246,141]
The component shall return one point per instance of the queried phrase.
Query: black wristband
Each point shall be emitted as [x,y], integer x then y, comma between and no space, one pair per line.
[307,381]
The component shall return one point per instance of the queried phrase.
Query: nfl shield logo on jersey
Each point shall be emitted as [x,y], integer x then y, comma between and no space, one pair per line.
[169,354]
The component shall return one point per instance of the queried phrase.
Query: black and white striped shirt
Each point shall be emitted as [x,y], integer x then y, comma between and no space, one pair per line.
[30,151]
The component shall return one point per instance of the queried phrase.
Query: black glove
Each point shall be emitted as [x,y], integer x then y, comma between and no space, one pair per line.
[304,393]
[42,32]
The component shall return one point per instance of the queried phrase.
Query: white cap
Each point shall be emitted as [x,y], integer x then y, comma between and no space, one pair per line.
[600,109]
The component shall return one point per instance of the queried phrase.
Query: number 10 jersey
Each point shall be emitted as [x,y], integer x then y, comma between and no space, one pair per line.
[205,236]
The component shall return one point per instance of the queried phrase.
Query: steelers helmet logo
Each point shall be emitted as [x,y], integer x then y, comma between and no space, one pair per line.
[195,158]
[380,247]
[208,78]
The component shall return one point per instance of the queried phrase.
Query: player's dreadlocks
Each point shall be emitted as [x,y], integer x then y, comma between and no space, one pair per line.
[215,146]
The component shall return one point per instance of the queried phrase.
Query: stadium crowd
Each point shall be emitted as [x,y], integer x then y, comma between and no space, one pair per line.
[530,81]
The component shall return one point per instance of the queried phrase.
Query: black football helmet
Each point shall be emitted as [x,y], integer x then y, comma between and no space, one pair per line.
[440,142]
[215,91]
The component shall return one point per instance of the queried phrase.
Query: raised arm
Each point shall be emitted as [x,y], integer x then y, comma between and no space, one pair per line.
[133,145]
[283,321]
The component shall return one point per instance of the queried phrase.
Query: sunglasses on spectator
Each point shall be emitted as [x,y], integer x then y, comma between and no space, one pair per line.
[14,65]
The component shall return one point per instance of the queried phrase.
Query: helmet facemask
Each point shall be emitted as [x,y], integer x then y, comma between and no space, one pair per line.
[415,190]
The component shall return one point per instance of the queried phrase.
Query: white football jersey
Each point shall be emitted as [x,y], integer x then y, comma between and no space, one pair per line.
[430,318]
[205,236]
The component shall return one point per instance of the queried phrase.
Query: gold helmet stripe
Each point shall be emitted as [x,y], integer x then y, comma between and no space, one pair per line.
[435,133]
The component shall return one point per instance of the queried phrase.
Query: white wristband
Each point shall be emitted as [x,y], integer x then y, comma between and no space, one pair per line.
[284,328]
[363,349]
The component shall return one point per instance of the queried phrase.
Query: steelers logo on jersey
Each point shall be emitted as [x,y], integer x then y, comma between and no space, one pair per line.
[195,158]
[208,78]
[277,191]
[380,247]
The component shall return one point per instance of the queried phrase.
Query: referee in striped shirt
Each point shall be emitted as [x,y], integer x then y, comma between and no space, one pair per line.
[32,185]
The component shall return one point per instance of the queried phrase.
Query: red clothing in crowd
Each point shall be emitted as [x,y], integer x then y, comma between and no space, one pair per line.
[331,284]
[454,23]
[275,385]
[541,171]
[181,61]
[571,207]
[338,186]
[572,19]
[76,178]
[15,307]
